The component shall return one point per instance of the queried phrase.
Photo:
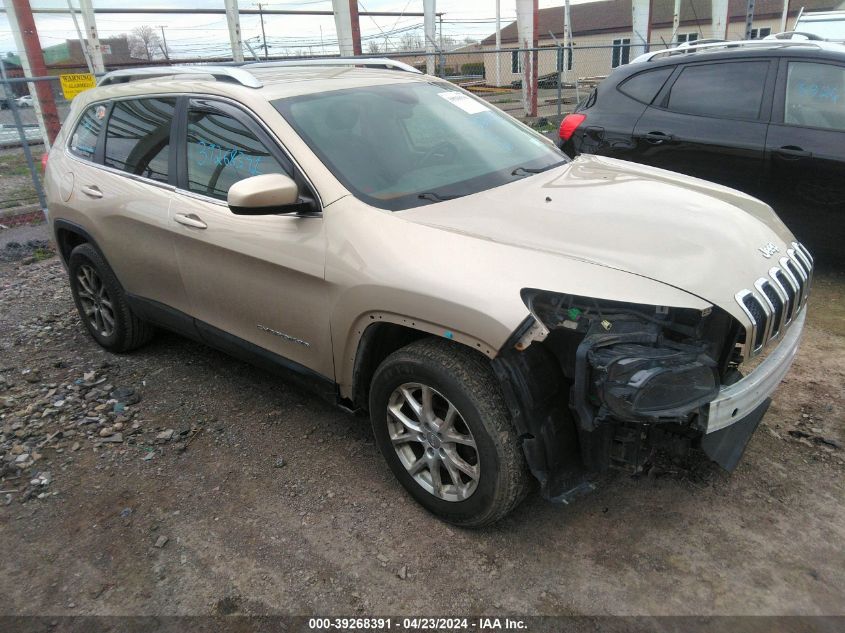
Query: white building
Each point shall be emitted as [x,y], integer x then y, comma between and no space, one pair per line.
[602,33]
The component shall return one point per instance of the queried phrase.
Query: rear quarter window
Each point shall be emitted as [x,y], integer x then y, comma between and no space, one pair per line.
[138,137]
[83,140]
[644,86]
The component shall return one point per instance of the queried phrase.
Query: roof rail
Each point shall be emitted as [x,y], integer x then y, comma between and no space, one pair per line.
[368,62]
[788,35]
[220,73]
[713,46]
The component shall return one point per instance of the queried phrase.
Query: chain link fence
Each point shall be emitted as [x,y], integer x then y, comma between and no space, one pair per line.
[564,76]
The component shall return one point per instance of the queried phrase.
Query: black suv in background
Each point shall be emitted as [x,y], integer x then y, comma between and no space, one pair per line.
[767,118]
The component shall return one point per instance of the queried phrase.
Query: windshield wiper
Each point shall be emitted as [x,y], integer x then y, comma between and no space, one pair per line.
[525,171]
[435,197]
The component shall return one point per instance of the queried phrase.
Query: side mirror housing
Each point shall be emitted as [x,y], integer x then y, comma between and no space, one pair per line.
[268,194]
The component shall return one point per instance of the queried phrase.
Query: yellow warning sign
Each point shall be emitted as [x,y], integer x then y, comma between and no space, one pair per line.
[74,83]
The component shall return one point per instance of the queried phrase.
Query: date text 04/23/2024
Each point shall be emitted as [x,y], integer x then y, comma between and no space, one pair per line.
[417,624]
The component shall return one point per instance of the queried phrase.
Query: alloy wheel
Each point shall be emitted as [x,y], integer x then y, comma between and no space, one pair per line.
[433,442]
[96,303]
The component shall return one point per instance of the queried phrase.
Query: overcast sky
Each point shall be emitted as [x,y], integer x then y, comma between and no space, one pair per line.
[206,34]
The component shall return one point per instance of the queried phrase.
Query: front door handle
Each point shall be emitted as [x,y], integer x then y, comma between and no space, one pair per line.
[656,138]
[793,152]
[92,191]
[190,220]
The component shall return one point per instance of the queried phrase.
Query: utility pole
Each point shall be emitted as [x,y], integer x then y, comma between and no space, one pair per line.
[22,21]
[92,36]
[355,25]
[233,21]
[83,44]
[263,35]
[784,16]
[749,18]
[429,8]
[498,43]
[676,22]
[442,57]
[164,44]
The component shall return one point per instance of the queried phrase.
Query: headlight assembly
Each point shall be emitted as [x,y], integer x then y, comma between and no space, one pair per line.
[637,381]
[633,362]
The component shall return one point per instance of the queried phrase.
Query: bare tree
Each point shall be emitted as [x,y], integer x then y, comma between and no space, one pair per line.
[410,42]
[373,47]
[144,42]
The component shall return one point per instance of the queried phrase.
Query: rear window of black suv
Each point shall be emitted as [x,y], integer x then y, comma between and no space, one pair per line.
[644,86]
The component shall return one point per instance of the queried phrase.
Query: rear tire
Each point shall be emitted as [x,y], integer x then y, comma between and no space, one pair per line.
[441,424]
[102,304]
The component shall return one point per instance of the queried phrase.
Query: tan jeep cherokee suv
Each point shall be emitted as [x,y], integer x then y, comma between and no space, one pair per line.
[410,251]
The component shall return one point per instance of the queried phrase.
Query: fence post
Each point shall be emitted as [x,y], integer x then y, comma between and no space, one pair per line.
[13,107]
[561,64]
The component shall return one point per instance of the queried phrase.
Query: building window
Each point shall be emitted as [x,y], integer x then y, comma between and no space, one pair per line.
[621,52]
[687,37]
[516,62]
[759,34]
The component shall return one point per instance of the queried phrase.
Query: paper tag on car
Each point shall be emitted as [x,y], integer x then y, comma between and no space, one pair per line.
[464,102]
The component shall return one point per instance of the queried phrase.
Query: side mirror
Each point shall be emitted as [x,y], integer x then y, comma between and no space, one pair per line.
[268,194]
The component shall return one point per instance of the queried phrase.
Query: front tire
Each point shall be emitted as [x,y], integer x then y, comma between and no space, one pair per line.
[102,304]
[441,424]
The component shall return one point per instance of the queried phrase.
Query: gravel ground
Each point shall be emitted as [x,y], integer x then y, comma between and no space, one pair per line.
[176,480]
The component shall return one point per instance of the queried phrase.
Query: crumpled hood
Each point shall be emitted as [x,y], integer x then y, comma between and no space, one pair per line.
[691,234]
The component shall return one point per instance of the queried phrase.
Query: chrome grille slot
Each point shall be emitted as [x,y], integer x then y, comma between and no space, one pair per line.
[788,289]
[800,248]
[776,303]
[754,308]
[776,300]
[799,277]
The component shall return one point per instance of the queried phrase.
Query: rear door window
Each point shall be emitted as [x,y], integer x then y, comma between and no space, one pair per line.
[732,90]
[644,86]
[138,137]
[83,141]
[815,96]
[221,151]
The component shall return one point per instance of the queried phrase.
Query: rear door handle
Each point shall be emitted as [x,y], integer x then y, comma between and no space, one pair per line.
[657,137]
[92,191]
[190,220]
[793,152]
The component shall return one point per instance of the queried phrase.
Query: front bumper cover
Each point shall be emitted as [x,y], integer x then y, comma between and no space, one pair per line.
[739,400]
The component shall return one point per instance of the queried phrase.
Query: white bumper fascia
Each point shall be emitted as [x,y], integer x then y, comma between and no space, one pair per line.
[738,400]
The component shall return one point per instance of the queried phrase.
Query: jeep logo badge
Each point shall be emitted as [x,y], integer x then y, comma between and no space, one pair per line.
[768,250]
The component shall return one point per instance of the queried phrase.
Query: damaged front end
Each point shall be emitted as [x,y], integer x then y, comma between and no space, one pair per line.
[595,385]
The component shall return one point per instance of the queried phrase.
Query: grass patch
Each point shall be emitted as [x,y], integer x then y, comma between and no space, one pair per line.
[18,196]
[14,165]
[40,254]
[545,127]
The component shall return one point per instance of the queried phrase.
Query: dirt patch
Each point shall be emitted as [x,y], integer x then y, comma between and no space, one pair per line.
[230,491]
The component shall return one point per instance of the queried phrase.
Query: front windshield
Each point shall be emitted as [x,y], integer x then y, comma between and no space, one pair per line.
[403,145]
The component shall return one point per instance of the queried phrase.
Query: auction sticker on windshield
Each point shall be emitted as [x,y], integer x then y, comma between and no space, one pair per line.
[465,103]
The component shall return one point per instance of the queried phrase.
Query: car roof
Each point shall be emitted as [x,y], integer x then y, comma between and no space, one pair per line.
[268,81]
[724,51]
[752,48]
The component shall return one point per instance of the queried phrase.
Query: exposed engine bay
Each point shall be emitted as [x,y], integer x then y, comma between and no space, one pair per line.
[598,385]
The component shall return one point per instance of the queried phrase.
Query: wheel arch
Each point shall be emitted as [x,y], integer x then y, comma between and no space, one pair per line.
[376,335]
[68,236]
